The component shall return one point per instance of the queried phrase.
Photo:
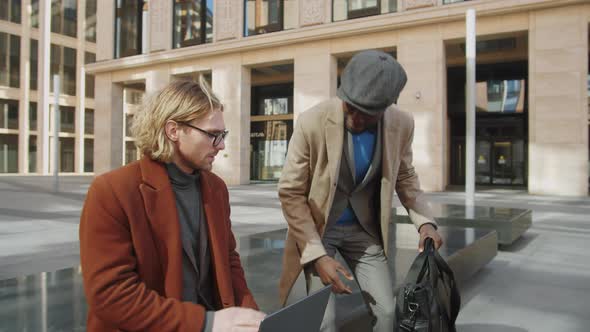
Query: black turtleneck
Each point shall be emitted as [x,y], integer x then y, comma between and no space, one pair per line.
[188,201]
[196,259]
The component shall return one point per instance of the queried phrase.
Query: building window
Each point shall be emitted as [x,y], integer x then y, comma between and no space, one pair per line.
[69,71]
[63,63]
[9,60]
[35,13]
[193,22]
[128,123]
[67,119]
[88,155]
[89,86]
[32,153]
[128,27]
[64,17]
[89,121]
[10,10]
[34,63]
[271,128]
[130,152]
[132,96]
[500,96]
[8,114]
[350,9]
[67,115]
[8,153]
[264,16]
[32,116]
[66,154]
[90,29]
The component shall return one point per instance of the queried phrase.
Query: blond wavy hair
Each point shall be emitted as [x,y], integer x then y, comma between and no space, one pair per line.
[181,101]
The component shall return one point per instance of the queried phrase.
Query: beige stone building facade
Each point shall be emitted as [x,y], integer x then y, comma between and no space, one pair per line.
[39,39]
[269,61]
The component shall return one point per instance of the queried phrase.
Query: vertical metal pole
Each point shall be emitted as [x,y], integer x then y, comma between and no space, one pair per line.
[43,87]
[470,109]
[56,92]
[44,310]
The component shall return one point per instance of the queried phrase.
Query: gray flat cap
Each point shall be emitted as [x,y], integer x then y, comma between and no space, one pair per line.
[372,81]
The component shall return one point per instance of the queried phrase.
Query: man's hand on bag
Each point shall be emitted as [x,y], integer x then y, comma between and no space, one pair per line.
[328,269]
[237,319]
[428,230]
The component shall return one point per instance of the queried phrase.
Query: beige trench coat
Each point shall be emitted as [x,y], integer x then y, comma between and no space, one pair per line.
[309,179]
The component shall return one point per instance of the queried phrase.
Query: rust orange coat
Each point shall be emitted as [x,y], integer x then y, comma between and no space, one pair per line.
[131,252]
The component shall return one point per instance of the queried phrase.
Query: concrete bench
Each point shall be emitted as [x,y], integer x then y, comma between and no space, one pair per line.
[466,250]
[509,223]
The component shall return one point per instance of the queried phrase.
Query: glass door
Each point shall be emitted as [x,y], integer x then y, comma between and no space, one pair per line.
[483,166]
[502,166]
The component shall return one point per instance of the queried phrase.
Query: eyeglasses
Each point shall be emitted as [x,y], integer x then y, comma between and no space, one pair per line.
[217,138]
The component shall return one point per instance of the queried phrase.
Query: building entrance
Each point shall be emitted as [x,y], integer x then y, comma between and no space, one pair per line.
[501,124]
[500,153]
[270,129]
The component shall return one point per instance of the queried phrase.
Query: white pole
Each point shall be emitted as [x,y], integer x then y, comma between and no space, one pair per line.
[56,92]
[44,77]
[470,109]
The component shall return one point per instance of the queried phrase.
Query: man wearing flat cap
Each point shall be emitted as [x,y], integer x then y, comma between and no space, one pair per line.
[345,158]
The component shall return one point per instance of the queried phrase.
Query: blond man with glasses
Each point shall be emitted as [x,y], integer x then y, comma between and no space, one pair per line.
[156,245]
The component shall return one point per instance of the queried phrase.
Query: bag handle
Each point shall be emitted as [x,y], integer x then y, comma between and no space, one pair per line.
[420,264]
[430,259]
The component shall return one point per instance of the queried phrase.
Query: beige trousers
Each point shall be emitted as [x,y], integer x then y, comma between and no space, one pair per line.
[366,259]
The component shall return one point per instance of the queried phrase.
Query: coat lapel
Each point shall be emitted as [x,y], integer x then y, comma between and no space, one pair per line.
[390,156]
[334,141]
[160,208]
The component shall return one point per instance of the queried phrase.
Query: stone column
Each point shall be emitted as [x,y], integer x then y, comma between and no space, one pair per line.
[80,88]
[558,104]
[105,30]
[315,77]
[43,99]
[421,53]
[160,12]
[228,20]
[108,124]
[231,83]
[25,75]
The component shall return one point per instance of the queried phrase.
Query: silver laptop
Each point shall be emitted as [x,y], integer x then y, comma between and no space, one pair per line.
[304,315]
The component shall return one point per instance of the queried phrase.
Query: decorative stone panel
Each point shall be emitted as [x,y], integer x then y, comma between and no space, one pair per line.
[227,20]
[160,12]
[414,4]
[312,12]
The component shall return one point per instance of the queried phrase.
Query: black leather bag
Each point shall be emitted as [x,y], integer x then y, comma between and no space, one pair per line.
[429,300]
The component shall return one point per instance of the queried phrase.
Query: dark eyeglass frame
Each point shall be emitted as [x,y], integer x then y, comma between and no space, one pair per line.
[217,138]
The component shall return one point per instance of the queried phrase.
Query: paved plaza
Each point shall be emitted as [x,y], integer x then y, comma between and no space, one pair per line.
[539,283]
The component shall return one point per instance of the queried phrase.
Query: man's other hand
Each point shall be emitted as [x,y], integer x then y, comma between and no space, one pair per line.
[237,319]
[328,269]
[428,230]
